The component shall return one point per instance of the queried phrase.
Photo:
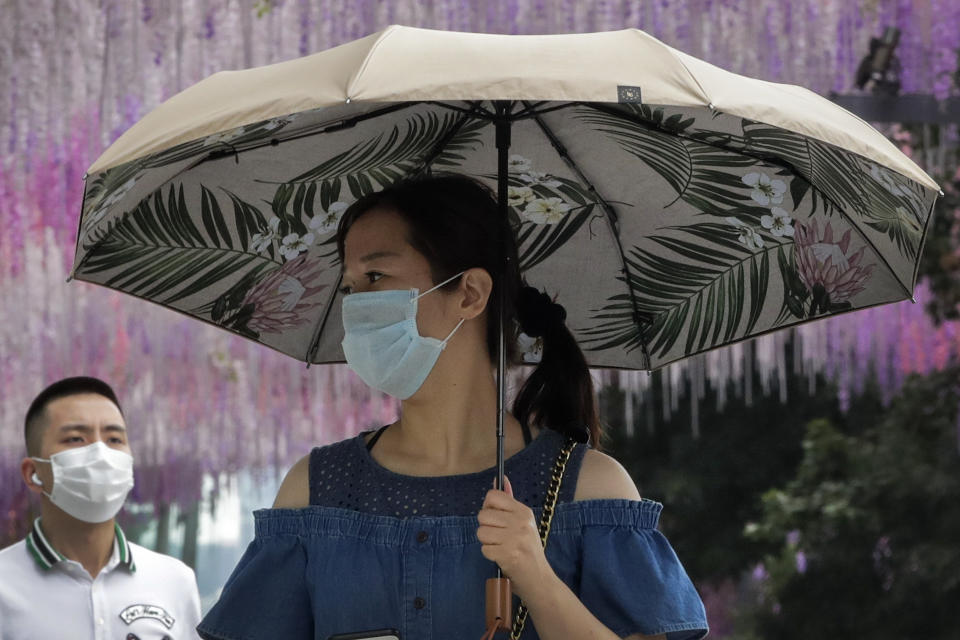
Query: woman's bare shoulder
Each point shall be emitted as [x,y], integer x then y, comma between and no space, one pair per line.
[294,492]
[603,478]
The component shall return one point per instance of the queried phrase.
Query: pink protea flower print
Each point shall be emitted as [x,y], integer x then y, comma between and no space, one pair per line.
[285,297]
[823,262]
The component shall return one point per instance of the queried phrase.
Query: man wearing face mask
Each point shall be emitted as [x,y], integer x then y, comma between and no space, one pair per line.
[76,575]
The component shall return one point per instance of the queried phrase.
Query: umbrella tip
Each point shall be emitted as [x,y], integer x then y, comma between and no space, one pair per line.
[941,193]
[69,278]
[913,300]
[348,101]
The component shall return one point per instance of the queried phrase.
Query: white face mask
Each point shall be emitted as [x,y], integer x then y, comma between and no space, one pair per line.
[90,483]
[382,344]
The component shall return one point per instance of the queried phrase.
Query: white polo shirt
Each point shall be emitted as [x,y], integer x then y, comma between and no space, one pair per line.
[44,595]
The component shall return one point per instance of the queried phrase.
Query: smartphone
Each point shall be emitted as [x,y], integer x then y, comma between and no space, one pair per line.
[378,634]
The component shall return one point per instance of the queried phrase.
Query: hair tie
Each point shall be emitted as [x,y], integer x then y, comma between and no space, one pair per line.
[538,313]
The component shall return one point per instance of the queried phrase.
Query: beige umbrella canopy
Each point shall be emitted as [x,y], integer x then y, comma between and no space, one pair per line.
[671,206]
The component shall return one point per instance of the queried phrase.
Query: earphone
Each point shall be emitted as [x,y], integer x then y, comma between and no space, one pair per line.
[36,479]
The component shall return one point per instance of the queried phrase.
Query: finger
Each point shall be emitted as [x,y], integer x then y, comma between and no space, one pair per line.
[491,535]
[490,552]
[500,500]
[507,486]
[493,518]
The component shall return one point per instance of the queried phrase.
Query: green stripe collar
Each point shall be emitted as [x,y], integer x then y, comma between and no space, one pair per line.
[46,556]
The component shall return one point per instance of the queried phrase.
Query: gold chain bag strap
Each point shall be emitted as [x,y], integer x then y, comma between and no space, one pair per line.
[549,502]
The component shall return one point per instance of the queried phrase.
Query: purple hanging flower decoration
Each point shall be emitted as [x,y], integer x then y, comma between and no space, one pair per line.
[801,562]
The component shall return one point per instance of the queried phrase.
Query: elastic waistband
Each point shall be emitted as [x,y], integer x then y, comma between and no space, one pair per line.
[329,522]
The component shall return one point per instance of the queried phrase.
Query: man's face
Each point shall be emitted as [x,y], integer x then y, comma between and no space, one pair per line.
[77,421]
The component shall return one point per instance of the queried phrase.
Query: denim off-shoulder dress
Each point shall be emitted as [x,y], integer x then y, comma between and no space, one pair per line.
[377,550]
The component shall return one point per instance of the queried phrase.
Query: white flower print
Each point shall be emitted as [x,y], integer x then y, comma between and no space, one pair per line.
[539,177]
[531,349]
[260,242]
[748,235]
[779,222]
[293,245]
[224,136]
[546,211]
[765,190]
[519,196]
[518,164]
[328,221]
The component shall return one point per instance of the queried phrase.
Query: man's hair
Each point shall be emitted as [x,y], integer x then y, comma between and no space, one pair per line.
[32,432]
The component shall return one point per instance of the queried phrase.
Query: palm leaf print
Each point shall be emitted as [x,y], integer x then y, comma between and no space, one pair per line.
[710,285]
[836,182]
[538,241]
[407,149]
[699,173]
[159,252]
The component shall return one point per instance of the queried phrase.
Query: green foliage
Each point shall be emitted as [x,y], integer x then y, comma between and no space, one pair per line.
[711,484]
[868,529]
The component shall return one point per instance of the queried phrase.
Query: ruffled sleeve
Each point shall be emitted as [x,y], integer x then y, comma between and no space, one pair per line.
[629,577]
[266,596]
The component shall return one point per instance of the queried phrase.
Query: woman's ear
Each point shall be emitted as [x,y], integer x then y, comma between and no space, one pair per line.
[475,285]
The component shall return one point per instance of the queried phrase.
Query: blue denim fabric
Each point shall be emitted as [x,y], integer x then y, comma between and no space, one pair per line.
[318,571]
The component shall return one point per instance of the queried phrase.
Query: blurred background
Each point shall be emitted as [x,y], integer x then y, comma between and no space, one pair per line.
[811,477]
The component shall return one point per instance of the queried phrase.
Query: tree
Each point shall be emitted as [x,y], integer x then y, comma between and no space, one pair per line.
[868,528]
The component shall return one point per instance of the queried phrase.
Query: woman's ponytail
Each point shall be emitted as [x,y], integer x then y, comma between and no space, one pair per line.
[559,393]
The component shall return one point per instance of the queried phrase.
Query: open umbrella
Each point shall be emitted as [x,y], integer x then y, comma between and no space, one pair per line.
[672,207]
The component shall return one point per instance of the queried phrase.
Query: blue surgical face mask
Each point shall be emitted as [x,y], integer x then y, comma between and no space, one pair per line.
[382,344]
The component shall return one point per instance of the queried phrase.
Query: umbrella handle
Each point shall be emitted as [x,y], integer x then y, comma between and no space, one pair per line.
[499,605]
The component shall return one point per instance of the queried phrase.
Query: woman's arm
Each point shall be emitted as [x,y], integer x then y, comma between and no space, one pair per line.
[508,533]
[294,491]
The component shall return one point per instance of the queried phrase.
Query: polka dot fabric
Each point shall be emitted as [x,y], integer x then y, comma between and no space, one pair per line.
[344,475]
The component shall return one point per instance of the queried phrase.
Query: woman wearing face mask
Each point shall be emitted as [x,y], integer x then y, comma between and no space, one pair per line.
[395,529]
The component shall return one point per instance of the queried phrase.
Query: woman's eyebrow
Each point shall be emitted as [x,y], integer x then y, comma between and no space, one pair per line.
[376,255]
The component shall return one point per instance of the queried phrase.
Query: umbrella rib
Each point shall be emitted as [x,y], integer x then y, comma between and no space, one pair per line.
[532,112]
[774,161]
[475,110]
[612,222]
[320,129]
[315,340]
[450,135]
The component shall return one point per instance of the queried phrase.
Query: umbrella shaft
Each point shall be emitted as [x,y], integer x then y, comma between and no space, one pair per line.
[503,147]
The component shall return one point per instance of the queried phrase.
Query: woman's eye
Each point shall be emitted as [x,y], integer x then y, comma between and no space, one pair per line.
[345,291]
[116,440]
[73,439]
[373,276]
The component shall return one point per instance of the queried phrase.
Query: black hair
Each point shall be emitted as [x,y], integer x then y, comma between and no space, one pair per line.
[455,223]
[61,389]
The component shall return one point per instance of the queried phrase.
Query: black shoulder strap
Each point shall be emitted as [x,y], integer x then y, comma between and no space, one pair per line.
[376,437]
[546,519]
